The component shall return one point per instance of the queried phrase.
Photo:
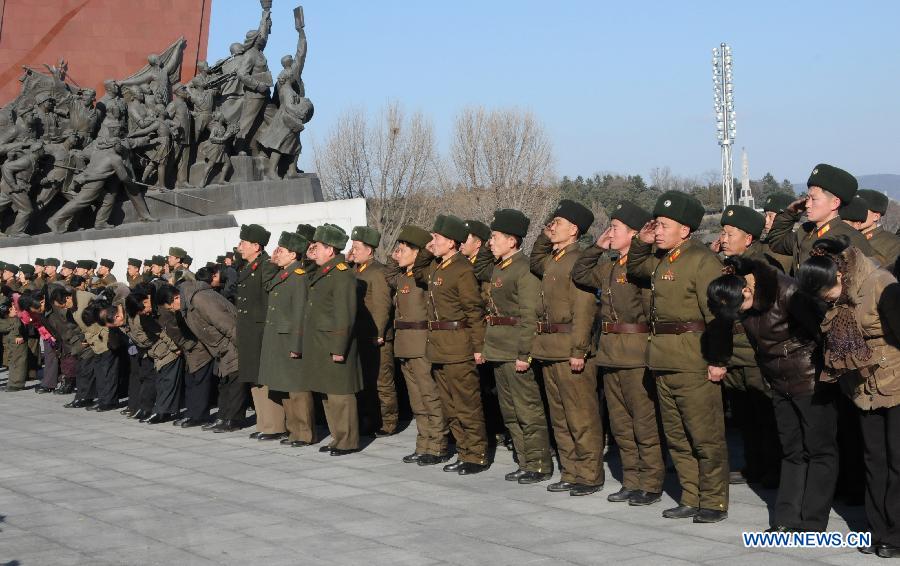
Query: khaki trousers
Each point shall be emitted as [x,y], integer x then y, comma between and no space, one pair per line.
[300,416]
[269,413]
[461,400]
[575,417]
[425,401]
[523,414]
[343,421]
[691,411]
[631,401]
[379,395]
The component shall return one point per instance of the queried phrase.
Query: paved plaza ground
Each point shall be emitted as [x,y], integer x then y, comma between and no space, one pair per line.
[77,487]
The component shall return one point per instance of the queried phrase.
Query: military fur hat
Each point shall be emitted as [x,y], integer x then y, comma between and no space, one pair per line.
[744,218]
[857,210]
[39,261]
[834,180]
[630,215]
[177,252]
[293,242]
[777,202]
[51,261]
[187,260]
[510,221]
[306,230]
[69,264]
[451,227]
[680,207]
[134,262]
[4,267]
[107,263]
[576,213]
[414,235]
[478,229]
[92,264]
[255,234]
[331,235]
[366,235]
[220,259]
[27,269]
[877,201]
[83,263]
[158,260]
[230,255]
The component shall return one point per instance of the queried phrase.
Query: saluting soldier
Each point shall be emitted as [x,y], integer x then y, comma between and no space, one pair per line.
[562,346]
[410,333]
[748,393]
[512,306]
[133,272]
[455,340]
[252,306]
[629,388]
[375,335]
[774,205]
[330,359]
[882,241]
[282,345]
[104,277]
[690,398]
[828,189]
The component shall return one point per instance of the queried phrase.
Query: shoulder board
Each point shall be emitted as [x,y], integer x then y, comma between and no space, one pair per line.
[342,266]
[675,255]
[823,230]
[300,271]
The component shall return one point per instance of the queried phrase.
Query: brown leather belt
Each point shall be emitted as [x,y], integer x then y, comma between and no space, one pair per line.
[624,328]
[553,328]
[447,324]
[404,325]
[502,320]
[678,327]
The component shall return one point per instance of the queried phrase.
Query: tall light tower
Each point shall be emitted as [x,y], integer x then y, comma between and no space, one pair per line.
[723,88]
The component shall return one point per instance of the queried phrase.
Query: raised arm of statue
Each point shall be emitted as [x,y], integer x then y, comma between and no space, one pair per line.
[173,64]
[265,24]
[300,56]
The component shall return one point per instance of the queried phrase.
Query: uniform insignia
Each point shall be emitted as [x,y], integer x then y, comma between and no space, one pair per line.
[409,273]
[675,255]
[342,266]
[730,213]
[498,283]
[405,290]
[445,263]
[439,281]
[622,278]
[815,172]
[623,260]
[559,255]
[472,259]
[668,276]
[300,271]
[506,263]
[254,266]
[284,275]
[823,230]
[869,235]
[362,268]
[667,203]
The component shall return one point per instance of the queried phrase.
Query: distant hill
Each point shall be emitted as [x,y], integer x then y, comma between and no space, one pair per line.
[889,183]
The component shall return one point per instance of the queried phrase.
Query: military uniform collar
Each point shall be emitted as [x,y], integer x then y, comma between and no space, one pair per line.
[509,261]
[827,227]
[870,231]
[334,263]
[445,263]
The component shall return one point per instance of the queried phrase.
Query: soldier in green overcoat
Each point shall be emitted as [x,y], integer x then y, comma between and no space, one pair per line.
[882,241]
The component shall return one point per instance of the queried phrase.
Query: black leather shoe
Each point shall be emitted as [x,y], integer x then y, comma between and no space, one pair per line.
[127,411]
[622,495]
[641,498]
[560,486]
[325,448]
[212,425]
[469,468]
[432,460]
[529,478]
[254,435]
[191,423]
[583,489]
[780,529]
[380,433]
[42,389]
[227,426]
[736,478]
[271,436]
[76,404]
[298,443]
[342,451]
[179,420]
[157,418]
[105,408]
[888,551]
[454,467]
[139,414]
[514,476]
[710,516]
[411,458]
[285,441]
[681,512]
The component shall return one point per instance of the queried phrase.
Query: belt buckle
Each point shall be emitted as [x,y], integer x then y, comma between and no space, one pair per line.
[604,327]
[653,327]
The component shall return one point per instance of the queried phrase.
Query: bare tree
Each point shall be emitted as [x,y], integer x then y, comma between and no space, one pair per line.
[390,161]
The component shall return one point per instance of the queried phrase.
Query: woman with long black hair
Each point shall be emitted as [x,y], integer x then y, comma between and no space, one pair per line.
[861,331]
[783,330]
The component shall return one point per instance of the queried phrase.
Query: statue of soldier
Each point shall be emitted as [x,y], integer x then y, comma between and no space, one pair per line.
[158,75]
[203,98]
[17,173]
[180,114]
[113,111]
[252,71]
[214,151]
[83,116]
[60,151]
[47,116]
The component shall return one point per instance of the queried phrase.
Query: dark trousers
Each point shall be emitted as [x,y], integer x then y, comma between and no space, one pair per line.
[197,386]
[169,382]
[807,427]
[232,398]
[881,453]
[51,366]
[134,382]
[143,393]
[106,377]
[85,385]
[851,471]
[751,406]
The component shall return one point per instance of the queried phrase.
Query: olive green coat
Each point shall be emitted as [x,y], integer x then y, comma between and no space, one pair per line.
[512,291]
[212,319]
[452,295]
[678,282]
[251,303]
[623,299]
[409,306]
[284,329]
[886,244]
[328,321]
[17,354]
[562,302]
[374,316]
[783,239]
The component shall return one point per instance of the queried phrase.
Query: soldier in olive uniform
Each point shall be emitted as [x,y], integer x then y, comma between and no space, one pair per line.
[410,332]
[14,348]
[67,270]
[375,335]
[690,397]
[629,388]
[749,395]
[133,273]
[829,189]
[51,275]
[26,278]
[330,359]
[282,345]
[252,306]
[39,273]
[455,340]
[774,205]
[882,241]
[104,277]
[562,346]
[513,299]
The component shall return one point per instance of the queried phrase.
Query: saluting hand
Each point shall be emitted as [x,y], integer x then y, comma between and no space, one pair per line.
[605,239]
[716,245]
[798,205]
[648,232]
[715,373]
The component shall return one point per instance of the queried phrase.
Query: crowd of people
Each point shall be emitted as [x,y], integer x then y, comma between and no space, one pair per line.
[794,327]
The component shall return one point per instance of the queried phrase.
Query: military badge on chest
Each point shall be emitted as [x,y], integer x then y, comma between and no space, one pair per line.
[438,281]
[498,283]
[668,276]
[622,279]
[405,290]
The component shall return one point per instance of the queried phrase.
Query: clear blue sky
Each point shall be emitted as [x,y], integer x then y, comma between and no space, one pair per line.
[621,86]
